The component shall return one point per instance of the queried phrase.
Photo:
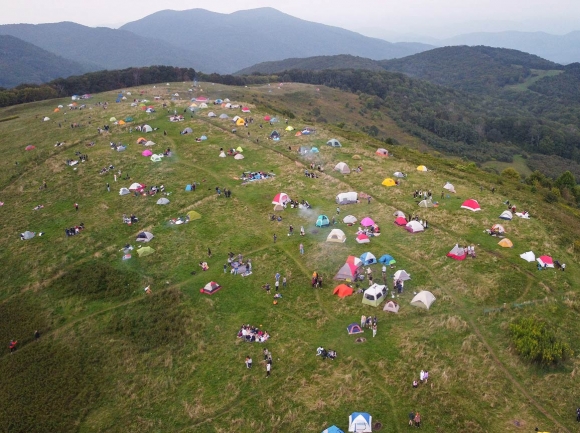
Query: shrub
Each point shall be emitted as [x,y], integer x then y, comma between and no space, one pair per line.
[536,341]
[551,197]
[511,173]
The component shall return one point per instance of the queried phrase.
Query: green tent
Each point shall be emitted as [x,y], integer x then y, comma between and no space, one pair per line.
[374,295]
[193,215]
[145,251]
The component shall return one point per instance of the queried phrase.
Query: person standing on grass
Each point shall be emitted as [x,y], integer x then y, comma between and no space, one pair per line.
[268,368]
[374,329]
[411,418]
[369,199]
[338,211]
[108,187]
[76,206]
[12,346]
[36,335]
[225,268]
[277,285]
[417,419]
[275,237]
[363,321]
[302,231]
[209,253]
[578,414]
[248,362]
[277,276]
[284,282]
[301,249]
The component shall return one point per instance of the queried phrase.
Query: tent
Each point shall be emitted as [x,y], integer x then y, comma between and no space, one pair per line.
[274,135]
[367,222]
[414,227]
[389,182]
[150,143]
[523,215]
[274,120]
[186,131]
[336,235]
[193,215]
[46,119]
[342,168]
[128,119]
[426,203]
[136,187]
[333,142]
[224,116]
[30,147]
[238,156]
[457,253]
[449,187]
[236,118]
[506,243]
[528,257]
[203,105]
[374,295]
[342,291]
[245,110]
[163,200]
[401,221]
[349,219]
[298,134]
[347,272]
[347,198]
[239,149]
[362,239]
[146,128]
[222,154]
[145,251]
[354,328]
[322,221]
[113,119]
[421,168]
[289,128]
[27,235]
[156,158]
[267,118]
[121,122]
[278,207]
[188,187]
[545,261]
[399,213]
[391,306]
[353,260]
[382,152]
[368,258]
[147,153]
[423,299]
[360,422]
[240,122]
[506,215]
[211,114]
[398,174]
[402,275]
[210,288]
[498,228]
[56,110]
[314,149]
[471,205]
[281,198]
[141,140]
[332,429]
[144,237]
[124,191]
[386,259]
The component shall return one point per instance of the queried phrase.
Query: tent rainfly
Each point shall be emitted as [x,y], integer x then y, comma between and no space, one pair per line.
[342,291]
[382,152]
[423,299]
[210,288]
[529,256]
[333,142]
[145,251]
[332,429]
[362,239]
[457,253]
[354,328]
[347,198]
[368,258]
[389,182]
[506,215]
[402,275]
[449,187]
[124,191]
[471,205]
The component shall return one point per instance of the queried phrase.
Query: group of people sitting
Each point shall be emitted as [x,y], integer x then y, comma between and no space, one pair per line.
[253,334]
[423,378]
[37,207]
[244,268]
[323,353]
[167,152]
[130,220]
[469,250]
[74,230]
[371,231]
[204,266]
[310,174]
[297,204]
[255,175]
[422,194]
[274,217]
[154,190]
[105,170]
[82,156]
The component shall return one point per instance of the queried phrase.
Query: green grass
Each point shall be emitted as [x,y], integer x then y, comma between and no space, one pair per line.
[113,359]
[537,74]
[519,164]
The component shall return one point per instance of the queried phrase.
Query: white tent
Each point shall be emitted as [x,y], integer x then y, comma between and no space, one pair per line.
[150,143]
[423,299]
[156,158]
[426,203]
[391,306]
[336,235]
[224,116]
[347,197]
[203,105]
[46,119]
[163,200]
[135,186]
[523,215]
[414,227]
[349,219]
[222,154]
[506,215]
[374,295]
[236,118]
[402,275]
[399,213]
[146,128]
[124,191]
[211,114]
[239,156]
[449,187]
[529,256]
[360,422]
[342,167]
[398,174]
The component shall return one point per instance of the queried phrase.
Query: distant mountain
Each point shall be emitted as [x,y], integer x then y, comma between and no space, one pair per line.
[318,63]
[473,69]
[560,49]
[21,62]
[245,38]
[104,48]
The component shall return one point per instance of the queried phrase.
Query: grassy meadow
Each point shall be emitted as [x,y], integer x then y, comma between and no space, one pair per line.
[113,359]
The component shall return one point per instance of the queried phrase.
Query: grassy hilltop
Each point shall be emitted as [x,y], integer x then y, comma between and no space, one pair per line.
[113,359]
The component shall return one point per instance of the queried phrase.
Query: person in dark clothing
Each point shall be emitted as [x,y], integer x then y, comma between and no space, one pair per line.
[209,252]
[36,335]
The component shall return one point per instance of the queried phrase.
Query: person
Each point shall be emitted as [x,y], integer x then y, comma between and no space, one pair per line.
[209,253]
[284,282]
[338,211]
[426,376]
[225,268]
[268,368]
[277,276]
[76,206]
[36,335]
[290,230]
[422,376]
[108,187]
[411,418]
[333,220]
[363,321]
[369,199]
[267,287]
[275,237]
[415,384]
[417,419]
[374,329]
[301,230]
[12,346]
[563,267]
[248,362]
[277,285]
[578,414]
[301,249]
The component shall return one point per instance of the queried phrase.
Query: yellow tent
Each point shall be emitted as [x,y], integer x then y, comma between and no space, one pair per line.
[239,149]
[506,243]
[421,168]
[389,182]
[289,128]
[193,215]
[240,122]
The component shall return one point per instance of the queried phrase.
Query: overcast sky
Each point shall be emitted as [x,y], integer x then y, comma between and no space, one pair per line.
[437,18]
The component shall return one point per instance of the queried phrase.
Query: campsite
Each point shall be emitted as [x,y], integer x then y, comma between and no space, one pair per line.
[148,341]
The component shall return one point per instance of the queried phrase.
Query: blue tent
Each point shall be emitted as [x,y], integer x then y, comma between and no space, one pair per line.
[314,150]
[188,187]
[360,422]
[333,429]
[368,259]
[322,221]
[128,119]
[387,260]
[354,328]
[203,137]
[219,101]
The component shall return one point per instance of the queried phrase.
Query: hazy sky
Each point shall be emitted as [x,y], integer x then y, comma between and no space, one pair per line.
[439,18]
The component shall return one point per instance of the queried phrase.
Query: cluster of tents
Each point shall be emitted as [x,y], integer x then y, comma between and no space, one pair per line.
[358,422]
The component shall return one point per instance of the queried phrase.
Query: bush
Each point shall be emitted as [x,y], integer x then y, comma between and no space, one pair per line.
[511,173]
[536,341]
[551,197]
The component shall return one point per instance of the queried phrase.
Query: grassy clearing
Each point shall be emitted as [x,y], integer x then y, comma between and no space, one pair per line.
[519,164]
[120,360]
[536,75]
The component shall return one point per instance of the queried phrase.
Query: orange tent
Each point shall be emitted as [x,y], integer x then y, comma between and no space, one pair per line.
[141,140]
[342,291]
[298,134]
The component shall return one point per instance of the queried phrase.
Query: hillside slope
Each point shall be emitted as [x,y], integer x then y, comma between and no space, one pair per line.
[245,38]
[22,62]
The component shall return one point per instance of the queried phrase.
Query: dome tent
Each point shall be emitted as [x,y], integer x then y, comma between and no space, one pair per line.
[336,235]
[368,258]
[322,221]
[423,299]
[342,167]
[391,306]
[387,259]
[333,142]
[163,200]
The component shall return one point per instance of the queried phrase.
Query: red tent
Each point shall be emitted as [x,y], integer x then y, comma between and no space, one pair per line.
[400,221]
[457,253]
[471,205]
[342,291]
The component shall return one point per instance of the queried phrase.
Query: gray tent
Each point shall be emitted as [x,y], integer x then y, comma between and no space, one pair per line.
[27,235]
[124,191]
[163,200]
[333,142]
[186,131]
[144,237]
[224,116]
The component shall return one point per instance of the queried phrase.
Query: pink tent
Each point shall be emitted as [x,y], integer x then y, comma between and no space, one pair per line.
[147,153]
[545,261]
[400,221]
[281,198]
[362,239]
[471,205]
[267,118]
[30,147]
[354,261]
[367,222]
